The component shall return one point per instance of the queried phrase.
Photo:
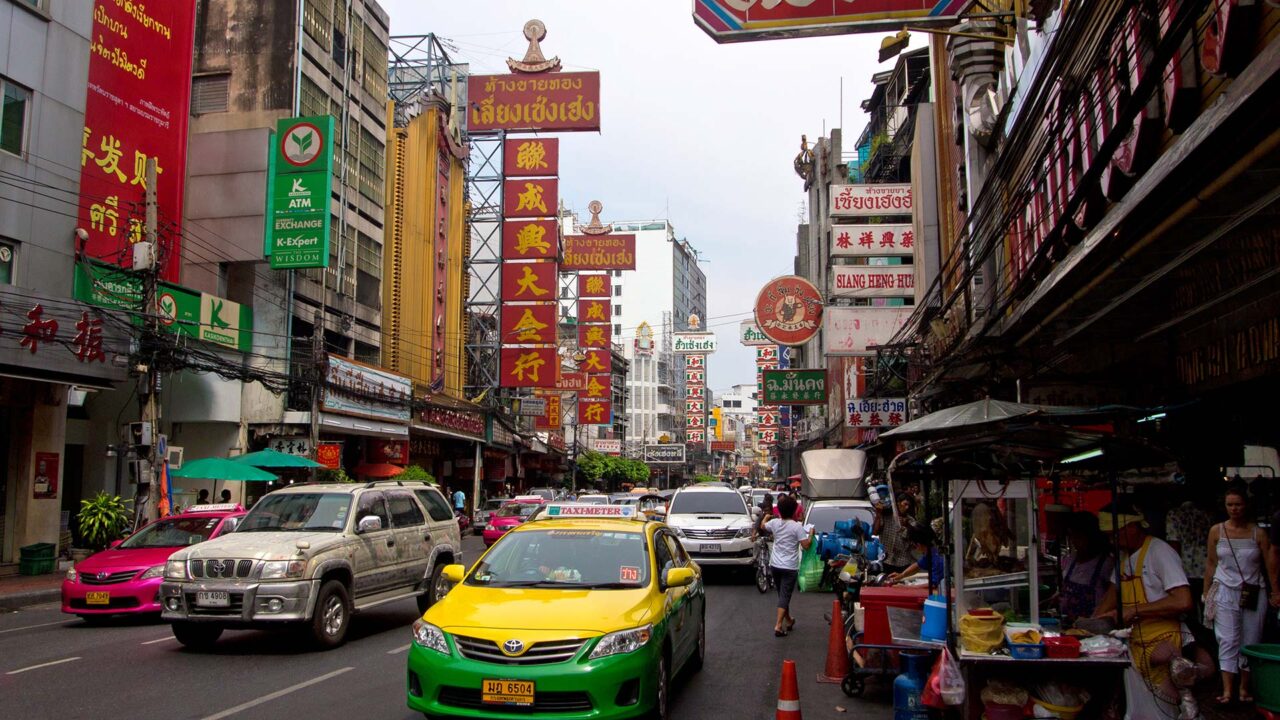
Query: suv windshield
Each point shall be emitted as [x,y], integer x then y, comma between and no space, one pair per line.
[565,558]
[173,532]
[718,503]
[824,518]
[312,512]
[517,509]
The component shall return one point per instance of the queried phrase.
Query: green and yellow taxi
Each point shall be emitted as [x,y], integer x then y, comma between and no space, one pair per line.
[586,613]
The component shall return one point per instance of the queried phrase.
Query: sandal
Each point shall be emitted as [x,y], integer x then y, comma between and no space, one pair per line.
[1223,699]
[779,633]
[1246,698]
[791,625]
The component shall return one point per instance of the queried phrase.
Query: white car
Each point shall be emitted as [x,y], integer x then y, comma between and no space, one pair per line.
[713,524]
[593,500]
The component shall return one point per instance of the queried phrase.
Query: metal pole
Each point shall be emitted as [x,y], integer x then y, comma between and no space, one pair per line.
[148,398]
[475,480]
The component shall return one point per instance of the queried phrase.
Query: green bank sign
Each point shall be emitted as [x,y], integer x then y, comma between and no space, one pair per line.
[200,316]
[300,170]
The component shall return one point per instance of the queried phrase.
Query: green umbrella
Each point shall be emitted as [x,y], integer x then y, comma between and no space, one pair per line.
[221,469]
[275,459]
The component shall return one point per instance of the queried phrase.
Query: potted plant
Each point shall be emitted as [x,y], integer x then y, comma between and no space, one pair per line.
[417,473]
[102,519]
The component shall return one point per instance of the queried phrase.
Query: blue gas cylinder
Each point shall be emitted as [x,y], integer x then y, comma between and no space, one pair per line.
[908,686]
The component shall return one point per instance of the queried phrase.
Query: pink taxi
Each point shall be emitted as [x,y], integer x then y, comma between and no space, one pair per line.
[514,512]
[126,577]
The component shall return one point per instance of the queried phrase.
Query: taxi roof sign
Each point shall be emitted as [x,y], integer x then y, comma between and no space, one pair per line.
[587,510]
[215,507]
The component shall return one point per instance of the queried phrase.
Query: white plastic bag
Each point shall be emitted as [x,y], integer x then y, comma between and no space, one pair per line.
[950,679]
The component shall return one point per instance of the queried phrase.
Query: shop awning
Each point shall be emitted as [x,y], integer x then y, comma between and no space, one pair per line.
[378,470]
[361,426]
[438,432]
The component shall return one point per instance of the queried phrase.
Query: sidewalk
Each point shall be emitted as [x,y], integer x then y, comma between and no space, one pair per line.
[22,590]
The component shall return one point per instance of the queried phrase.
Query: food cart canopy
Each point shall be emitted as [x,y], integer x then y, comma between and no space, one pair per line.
[960,419]
[833,473]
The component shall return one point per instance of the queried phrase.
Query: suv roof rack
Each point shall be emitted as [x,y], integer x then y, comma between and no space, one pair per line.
[390,481]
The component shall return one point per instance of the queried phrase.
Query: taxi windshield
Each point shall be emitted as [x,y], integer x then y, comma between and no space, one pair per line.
[565,558]
[522,509]
[310,512]
[173,532]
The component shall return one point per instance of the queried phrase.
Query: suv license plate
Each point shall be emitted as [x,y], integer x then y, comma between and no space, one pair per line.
[507,692]
[710,547]
[213,599]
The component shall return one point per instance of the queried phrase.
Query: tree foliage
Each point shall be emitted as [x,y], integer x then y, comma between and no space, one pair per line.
[595,467]
[704,478]
[101,519]
[416,473]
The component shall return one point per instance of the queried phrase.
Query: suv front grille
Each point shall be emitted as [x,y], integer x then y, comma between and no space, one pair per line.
[543,653]
[717,534]
[108,578]
[220,569]
[543,702]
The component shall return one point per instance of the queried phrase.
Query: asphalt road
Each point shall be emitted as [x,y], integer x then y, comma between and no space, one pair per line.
[56,666]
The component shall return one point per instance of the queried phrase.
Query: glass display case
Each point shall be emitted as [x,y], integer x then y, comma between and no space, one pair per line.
[996,548]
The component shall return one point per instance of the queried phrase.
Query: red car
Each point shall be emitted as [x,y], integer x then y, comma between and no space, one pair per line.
[510,515]
[126,577]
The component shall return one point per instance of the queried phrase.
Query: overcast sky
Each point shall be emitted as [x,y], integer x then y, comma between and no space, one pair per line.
[699,133]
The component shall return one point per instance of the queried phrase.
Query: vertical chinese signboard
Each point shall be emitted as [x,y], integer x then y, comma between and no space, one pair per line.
[767,416]
[300,186]
[136,109]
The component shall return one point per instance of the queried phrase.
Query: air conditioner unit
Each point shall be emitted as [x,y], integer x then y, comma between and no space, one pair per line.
[175,458]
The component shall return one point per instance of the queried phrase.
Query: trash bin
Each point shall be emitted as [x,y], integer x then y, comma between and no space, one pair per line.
[37,559]
[1264,661]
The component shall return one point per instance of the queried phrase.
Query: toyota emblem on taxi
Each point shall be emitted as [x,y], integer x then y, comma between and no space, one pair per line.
[103,575]
[513,647]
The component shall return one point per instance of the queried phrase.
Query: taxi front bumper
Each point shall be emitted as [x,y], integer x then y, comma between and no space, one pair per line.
[618,686]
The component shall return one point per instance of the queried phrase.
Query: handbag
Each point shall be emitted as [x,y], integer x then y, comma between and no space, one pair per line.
[1248,591]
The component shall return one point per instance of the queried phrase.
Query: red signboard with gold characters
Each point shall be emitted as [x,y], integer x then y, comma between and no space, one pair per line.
[529,367]
[594,311]
[528,324]
[550,420]
[136,109]
[594,336]
[530,239]
[600,252]
[531,157]
[529,197]
[531,282]
[789,310]
[595,412]
[598,386]
[564,101]
[595,286]
[329,455]
[597,361]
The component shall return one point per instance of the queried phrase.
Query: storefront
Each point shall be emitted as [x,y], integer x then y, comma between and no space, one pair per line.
[445,441]
[501,470]
[361,403]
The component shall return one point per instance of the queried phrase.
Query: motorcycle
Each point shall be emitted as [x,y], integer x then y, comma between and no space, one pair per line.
[464,522]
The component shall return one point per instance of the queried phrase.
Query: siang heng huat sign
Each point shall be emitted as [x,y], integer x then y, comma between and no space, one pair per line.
[545,102]
[136,109]
[745,20]
[861,281]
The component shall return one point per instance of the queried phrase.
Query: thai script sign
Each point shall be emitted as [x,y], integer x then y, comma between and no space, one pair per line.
[532,407]
[859,330]
[875,412]
[352,388]
[599,252]
[531,157]
[689,343]
[871,200]
[663,453]
[788,310]
[872,240]
[750,334]
[607,446]
[795,387]
[861,281]
[298,192]
[530,239]
[136,109]
[543,102]
[743,20]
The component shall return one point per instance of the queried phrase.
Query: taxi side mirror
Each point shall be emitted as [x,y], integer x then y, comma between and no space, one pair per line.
[116,543]
[677,577]
[454,573]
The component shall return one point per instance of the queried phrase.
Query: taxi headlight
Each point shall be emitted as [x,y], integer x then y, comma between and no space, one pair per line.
[71,574]
[153,572]
[175,570]
[622,641]
[429,636]
[280,569]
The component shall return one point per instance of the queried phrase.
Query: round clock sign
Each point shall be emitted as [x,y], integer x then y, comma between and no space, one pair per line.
[789,310]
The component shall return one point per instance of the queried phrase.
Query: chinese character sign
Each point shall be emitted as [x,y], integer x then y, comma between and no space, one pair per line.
[529,282]
[872,240]
[566,101]
[875,412]
[531,157]
[136,109]
[594,336]
[595,286]
[595,412]
[598,386]
[594,311]
[525,324]
[529,367]
[597,361]
[550,419]
[530,197]
[530,240]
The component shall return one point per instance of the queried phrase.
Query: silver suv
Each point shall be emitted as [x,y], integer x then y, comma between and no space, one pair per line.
[312,555]
[713,523]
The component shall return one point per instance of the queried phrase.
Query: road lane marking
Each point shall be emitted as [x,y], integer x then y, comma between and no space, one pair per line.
[42,665]
[400,649]
[278,694]
[28,627]
[163,639]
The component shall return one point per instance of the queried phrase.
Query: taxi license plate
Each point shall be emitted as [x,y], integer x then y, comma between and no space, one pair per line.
[97,598]
[507,692]
[710,547]
[213,599]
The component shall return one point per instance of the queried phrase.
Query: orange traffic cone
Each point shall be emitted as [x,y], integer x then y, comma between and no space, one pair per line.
[788,693]
[837,655]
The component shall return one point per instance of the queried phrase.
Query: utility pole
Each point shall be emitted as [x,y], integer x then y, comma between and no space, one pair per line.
[318,365]
[149,392]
